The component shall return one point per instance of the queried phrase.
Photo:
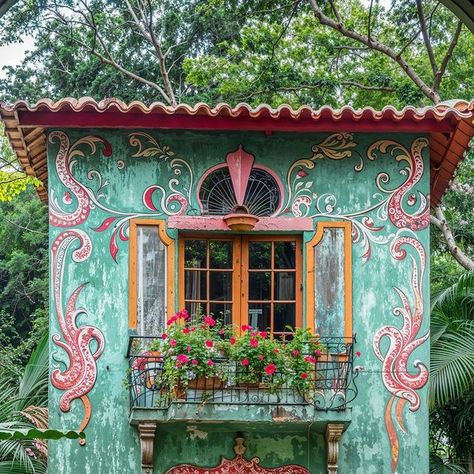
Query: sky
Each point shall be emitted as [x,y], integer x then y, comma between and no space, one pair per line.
[12,54]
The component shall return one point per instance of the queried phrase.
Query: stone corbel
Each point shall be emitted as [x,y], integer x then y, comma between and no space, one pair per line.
[147,442]
[333,435]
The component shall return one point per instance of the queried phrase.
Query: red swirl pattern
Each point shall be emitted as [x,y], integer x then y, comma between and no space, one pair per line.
[63,168]
[401,383]
[80,376]
[397,215]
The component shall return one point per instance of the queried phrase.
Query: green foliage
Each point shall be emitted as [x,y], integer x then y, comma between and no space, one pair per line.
[23,274]
[12,180]
[23,407]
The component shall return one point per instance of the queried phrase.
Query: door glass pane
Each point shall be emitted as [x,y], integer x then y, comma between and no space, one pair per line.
[195,253]
[222,311]
[284,285]
[195,285]
[220,286]
[260,285]
[260,316]
[284,315]
[220,254]
[285,253]
[151,278]
[260,255]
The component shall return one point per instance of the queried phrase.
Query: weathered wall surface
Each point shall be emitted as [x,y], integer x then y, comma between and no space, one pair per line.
[100,179]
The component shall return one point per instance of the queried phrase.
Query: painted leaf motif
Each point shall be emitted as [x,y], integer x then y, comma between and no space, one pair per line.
[105,224]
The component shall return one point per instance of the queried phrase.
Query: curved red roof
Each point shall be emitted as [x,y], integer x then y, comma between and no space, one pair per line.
[449,125]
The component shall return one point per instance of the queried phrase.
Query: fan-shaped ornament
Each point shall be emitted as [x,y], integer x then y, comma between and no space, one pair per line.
[240,192]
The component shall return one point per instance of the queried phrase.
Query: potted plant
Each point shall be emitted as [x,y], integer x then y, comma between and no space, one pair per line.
[302,353]
[258,359]
[192,352]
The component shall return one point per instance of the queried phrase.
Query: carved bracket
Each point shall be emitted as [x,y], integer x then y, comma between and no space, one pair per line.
[333,435]
[147,441]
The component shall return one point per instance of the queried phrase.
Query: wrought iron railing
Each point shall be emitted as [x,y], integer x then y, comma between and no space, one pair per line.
[332,381]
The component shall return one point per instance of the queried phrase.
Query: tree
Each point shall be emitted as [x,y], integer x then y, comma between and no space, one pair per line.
[301,51]
[452,372]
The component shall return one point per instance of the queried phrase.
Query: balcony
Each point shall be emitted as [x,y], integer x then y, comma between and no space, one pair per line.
[325,398]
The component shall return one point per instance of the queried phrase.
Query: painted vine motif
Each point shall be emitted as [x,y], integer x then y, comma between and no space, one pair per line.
[303,202]
[398,380]
[174,198]
[78,379]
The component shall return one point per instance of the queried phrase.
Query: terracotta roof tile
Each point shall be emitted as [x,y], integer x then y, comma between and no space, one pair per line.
[447,123]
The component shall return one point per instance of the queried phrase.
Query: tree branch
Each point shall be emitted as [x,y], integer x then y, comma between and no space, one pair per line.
[447,57]
[440,222]
[377,46]
[368,88]
[426,38]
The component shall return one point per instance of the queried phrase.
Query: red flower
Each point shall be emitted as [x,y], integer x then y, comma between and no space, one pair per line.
[232,340]
[173,342]
[304,375]
[183,314]
[164,336]
[186,331]
[171,321]
[310,359]
[246,327]
[182,359]
[270,369]
[188,349]
[210,363]
[317,352]
[209,343]
[194,362]
[245,362]
[193,329]
[263,334]
[178,365]
[260,357]
[302,173]
[254,342]
[209,321]
[276,350]
[295,353]
[358,353]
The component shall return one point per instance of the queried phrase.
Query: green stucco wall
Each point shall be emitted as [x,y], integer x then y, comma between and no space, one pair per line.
[378,191]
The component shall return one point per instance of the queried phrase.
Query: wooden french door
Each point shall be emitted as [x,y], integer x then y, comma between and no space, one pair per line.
[243,279]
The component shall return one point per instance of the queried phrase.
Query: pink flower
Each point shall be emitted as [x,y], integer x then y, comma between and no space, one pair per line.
[295,353]
[253,342]
[179,365]
[183,314]
[194,362]
[188,349]
[164,336]
[232,341]
[263,334]
[246,327]
[310,359]
[270,369]
[171,321]
[245,362]
[182,359]
[358,353]
[186,330]
[221,332]
[173,342]
[209,321]
[317,352]
[304,375]
[211,363]
[209,343]
[260,357]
